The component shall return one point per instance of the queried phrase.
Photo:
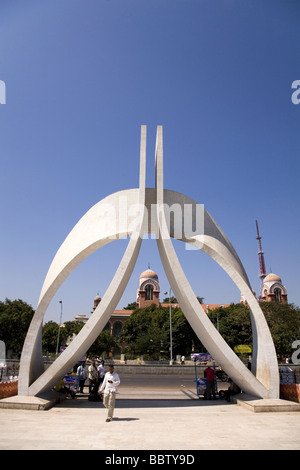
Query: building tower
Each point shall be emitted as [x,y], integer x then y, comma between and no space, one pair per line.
[148,290]
[262,267]
[97,301]
[271,288]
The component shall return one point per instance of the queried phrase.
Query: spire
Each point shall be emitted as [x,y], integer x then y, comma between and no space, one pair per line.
[260,253]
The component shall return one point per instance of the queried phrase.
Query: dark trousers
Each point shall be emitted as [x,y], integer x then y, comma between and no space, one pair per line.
[81,384]
[92,386]
[210,389]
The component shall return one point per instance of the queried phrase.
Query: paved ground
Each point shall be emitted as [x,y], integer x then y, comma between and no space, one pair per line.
[152,413]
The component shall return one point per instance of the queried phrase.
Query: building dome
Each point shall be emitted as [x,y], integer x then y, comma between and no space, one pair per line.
[149,274]
[148,290]
[97,301]
[273,289]
[272,278]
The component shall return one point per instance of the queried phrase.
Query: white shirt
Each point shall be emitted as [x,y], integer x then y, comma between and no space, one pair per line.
[101,371]
[93,373]
[110,387]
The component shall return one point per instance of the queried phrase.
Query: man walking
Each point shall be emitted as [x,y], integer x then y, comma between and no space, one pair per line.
[109,387]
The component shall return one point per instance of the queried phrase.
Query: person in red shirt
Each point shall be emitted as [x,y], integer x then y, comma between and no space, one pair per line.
[209,374]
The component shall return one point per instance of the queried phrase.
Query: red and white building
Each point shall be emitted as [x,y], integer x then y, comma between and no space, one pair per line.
[147,294]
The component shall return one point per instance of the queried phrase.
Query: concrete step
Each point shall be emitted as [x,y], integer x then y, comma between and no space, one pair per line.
[259,405]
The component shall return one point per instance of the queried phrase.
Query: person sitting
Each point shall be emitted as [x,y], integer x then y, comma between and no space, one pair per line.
[61,388]
[233,389]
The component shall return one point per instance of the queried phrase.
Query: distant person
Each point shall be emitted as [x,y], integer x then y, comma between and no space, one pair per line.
[82,375]
[93,376]
[209,374]
[101,372]
[182,360]
[233,389]
[109,388]
[61,388]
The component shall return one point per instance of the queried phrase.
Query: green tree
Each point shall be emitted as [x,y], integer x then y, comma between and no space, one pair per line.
[147,332]
[49,337]
[234,324]
[130,306]
[15,318]
[50,334]
[68,329]
[144,325]
[284,324]
[184,338]
[103,344]
[168,299]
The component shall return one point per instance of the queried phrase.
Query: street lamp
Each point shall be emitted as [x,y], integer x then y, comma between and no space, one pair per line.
[60,301]
[171,345]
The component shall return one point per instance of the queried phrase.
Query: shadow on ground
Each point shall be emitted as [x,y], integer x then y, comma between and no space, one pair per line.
[83,402]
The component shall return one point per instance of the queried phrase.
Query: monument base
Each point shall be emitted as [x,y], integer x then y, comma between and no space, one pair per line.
[260,405]
[29,402]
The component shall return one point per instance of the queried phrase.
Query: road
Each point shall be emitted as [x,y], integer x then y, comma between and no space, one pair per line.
[153,381]
[168,386]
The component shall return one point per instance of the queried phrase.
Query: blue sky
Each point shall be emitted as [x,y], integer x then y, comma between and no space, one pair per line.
[82,76]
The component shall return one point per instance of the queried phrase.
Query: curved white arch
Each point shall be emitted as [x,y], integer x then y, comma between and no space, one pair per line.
[102,224]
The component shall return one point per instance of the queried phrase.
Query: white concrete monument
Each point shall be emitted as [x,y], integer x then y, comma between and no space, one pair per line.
[133,213]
